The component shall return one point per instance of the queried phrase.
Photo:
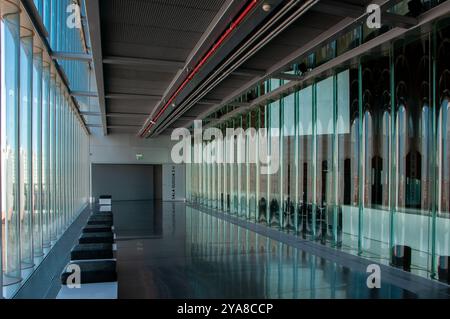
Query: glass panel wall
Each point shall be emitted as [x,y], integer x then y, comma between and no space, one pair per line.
[242,167]
[44,150]
[324,159]
[251,165]
[37,152]
[441,225]
[235,178]
[305,129]
[226,170]
[274,180]
[359,154]
[25,153]
[46,155]
[376,154]
[10,79]
[51,160]
[413,127]
[289,165]
[263,204]
[347,157]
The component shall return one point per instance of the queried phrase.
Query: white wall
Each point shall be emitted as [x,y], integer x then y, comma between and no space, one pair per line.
[122,149]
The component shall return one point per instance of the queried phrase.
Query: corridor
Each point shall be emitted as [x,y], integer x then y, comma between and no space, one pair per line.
[170,250]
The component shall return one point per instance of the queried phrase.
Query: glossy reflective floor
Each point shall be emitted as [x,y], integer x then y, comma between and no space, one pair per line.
[170,250]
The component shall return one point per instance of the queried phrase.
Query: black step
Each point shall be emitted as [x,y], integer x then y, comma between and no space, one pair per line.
[101,216]
[97,238]
[100,222]
[92,251]
[100,228]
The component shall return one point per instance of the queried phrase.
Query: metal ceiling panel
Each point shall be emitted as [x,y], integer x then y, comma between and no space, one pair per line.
[152,29]
[172,30]
[130,106]
[126,121]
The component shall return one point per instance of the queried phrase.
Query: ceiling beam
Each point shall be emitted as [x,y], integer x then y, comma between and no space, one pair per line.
[127,96]
[249,72]
[240,104]
[90,113]
[123,126]
[209,102]
[83,93]
[222,19]
[186,119]
[71,56]
[286,76]
[340,28]
[397,20]
[127,115]
[339,8]
[93,20]
[141,62]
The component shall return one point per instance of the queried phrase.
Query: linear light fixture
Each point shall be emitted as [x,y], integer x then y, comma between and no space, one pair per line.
[202,62]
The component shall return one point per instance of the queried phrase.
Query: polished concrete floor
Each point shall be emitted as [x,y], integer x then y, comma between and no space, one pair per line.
[170,250]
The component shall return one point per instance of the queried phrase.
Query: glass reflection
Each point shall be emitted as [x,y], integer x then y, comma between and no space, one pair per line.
[37,152]
[348,155]
[10,44]
[305,161]
[413,140]
[289,166]
[324,158]
[262,180]
[234,262]
[242,167]
[274,180]
[25,160]
[441,242]
[46,156]
[376,155]
[252,166]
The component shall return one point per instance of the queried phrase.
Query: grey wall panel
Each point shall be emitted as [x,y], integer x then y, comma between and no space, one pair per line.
[123,182]
[158,182]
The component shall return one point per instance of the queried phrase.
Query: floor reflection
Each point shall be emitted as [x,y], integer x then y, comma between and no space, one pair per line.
[169,250]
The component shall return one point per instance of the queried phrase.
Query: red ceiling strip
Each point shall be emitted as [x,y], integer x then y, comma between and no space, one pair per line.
[202,62]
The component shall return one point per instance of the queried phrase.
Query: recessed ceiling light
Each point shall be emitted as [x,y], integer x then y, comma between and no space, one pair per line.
[266,7]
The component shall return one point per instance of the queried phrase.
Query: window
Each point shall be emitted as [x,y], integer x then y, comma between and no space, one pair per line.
[25,152]
[10,40]
[45,166]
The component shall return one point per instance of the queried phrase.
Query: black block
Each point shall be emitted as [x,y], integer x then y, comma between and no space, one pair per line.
[92,251]
[102,215]
[99,220]
[100,228]
[443,266]
[105,197]
[94,222]
[97,238]
[93,272]
[401,257]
